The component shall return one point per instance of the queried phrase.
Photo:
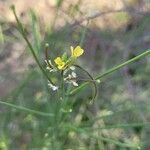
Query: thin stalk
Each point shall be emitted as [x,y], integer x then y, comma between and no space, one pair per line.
[123,64]
[27,109]
[36,32]
[145,124]
[94,84]
[118,143]
[118,126]
[22,32]
[84,34]
[46,55]
[146,53]
[62,84]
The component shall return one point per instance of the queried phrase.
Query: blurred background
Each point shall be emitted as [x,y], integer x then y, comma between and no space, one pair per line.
[110,32]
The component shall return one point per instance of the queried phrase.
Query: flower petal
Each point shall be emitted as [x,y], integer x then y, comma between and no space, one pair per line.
[71,50]
[75,83]
[78,51]
[58,60]
[61,66]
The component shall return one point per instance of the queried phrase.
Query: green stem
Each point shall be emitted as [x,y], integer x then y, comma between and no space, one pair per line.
[123,64]
[21,30]
[46,55]
[84,34]
[124,126]
[118,143]
[92,79]
[62,84]
[27,109]
[118,126]
[111,70]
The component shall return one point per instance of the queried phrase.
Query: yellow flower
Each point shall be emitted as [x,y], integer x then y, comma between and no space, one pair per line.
[60,63]
[76,52]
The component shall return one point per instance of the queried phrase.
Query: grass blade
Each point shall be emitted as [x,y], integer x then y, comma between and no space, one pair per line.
[21,108]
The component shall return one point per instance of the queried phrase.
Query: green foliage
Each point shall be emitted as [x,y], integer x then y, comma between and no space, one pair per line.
[34,117]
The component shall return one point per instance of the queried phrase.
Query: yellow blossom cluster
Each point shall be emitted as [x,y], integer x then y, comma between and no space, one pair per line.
[75,53]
